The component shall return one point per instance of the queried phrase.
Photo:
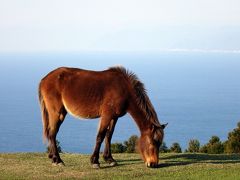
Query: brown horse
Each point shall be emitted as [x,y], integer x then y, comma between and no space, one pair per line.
[108,94]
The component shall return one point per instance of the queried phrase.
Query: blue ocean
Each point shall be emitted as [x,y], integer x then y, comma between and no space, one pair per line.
[197,94]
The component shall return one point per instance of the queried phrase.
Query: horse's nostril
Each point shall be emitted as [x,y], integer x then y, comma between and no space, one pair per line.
[152,165]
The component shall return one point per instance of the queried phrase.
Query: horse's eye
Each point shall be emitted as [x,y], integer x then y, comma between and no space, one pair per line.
[157,143]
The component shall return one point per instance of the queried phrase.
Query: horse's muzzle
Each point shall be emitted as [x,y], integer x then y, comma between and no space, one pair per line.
[151,165]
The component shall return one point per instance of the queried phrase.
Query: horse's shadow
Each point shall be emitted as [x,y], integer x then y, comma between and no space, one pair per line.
[125,162]
[187,159]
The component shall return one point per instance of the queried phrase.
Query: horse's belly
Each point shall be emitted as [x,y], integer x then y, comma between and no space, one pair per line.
[79,110]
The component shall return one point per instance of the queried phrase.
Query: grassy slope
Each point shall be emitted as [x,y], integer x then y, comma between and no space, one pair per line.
[172,166]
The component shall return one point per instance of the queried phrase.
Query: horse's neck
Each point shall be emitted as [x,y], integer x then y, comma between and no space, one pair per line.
[139,116]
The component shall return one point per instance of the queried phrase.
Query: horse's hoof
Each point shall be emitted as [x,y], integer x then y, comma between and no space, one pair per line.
[61,164]
[96,166]
[54,164]
[114,163]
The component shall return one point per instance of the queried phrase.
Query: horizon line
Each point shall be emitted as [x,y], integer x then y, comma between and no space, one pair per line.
[161,50]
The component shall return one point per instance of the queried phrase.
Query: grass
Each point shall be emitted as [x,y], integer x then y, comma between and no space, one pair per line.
[172,166]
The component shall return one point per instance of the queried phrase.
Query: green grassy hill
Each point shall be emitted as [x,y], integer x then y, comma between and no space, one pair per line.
[130,166]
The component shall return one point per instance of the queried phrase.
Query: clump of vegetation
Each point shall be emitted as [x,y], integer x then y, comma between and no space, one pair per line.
[175,148]
[232,145]
[128,146]
[118,148]
[163,148]
[214,146]
[193,146]
[131,144]
[58,147]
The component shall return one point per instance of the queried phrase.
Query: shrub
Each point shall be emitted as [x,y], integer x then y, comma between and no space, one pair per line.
[203,149]
[118,148]
[232,145]
[128,146]
[163,148]
[131,144]
[175,148]
[214,146]
[193,146]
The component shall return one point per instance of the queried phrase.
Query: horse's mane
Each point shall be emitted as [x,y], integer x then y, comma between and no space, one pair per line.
[142,98]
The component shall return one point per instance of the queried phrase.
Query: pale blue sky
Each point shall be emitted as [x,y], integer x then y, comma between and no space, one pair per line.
[124,25]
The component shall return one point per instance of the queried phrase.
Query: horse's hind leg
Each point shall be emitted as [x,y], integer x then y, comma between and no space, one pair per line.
[55,121]
[107,155]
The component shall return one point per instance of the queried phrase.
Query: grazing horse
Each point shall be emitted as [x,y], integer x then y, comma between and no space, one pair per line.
[107,94]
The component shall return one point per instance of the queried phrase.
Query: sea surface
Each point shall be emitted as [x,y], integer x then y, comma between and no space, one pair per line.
[197,94]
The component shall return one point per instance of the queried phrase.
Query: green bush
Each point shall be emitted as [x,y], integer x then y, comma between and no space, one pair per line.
[118,148]
[163,148]
[193,146]
[175,148]
[214,146]
[203,149]
[232,145]
[131,144]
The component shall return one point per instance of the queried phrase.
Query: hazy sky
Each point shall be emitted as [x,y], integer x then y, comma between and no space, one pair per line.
[124,25]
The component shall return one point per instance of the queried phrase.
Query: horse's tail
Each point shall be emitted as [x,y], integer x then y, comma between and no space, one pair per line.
[45,116]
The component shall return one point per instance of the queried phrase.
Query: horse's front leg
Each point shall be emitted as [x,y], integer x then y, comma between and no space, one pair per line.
[107,155]
[104,123]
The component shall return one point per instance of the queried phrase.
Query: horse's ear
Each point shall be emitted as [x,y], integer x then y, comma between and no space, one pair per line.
[164,125]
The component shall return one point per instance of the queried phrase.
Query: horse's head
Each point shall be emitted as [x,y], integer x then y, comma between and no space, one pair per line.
[149,144]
